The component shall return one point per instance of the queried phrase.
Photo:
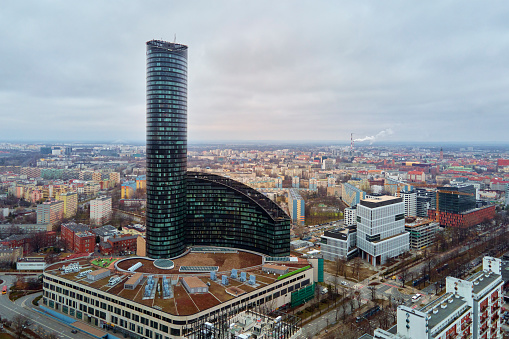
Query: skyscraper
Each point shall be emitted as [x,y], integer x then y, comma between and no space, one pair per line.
[166,148]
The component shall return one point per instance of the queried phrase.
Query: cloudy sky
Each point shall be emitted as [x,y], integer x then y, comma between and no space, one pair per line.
[260,70]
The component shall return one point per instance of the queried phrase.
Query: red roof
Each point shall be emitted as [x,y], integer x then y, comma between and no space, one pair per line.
[503,162]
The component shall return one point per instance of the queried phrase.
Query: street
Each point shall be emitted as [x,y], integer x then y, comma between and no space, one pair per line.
[23,306]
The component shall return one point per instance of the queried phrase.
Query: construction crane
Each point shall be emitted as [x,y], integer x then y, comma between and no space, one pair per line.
[438,191]
[438,203]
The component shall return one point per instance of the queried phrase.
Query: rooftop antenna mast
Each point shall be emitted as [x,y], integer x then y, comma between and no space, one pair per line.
[175,38]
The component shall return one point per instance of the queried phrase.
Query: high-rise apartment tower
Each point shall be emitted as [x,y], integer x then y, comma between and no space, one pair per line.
[166,148]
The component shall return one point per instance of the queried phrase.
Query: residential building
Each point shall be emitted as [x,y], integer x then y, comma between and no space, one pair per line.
[69,230]
[127,189]
[70,200]
[350,215]
[115,177]
[84,242]
[470,308]
[97,176]
[506,194]
[100,210]
[410,201]
[123,245]
[351,195]
[313,184]
[296,206]
[50,212]
[422,232]
[295,182]
[381,229]
[339,243]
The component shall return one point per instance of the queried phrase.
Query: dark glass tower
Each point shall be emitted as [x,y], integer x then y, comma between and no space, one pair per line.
[166,148]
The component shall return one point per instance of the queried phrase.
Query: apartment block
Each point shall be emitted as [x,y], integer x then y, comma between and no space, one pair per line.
[470,308]
[410,201]
[50,212]
[296,205]
[350,216]
[100,210]
[70,200]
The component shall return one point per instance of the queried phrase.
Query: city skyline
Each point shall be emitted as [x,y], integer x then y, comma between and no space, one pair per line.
[261,71]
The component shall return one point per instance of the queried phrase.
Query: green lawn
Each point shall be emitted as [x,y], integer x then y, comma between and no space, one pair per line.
[103,262]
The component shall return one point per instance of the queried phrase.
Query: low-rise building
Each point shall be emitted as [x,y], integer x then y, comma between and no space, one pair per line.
[340,243]
[422,232]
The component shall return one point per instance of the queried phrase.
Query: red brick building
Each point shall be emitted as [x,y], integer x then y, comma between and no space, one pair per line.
[84,242]
[25,241]
[465,219]
[68,235]
[122,245]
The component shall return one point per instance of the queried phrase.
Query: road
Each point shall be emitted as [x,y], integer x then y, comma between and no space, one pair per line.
[23,306]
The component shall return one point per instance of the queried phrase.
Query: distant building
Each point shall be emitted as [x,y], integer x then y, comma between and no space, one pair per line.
[296,206]
[127,189]
[295,182]
[100,210]
[351,195]
[313,184]
[507,194]
[115,177]
[381,229]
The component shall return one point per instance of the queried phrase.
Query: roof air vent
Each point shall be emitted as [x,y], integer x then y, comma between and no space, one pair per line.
[435,310]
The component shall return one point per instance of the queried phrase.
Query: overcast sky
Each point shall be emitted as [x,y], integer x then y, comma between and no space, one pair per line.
[260,70]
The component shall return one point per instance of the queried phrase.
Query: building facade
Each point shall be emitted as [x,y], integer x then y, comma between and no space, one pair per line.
[339,244]
[166,148]
[422,232]
[410,201]
[100,210]
[70,200]
[50,212]
[381,229]
[350,216]
[297,207]
[224,212]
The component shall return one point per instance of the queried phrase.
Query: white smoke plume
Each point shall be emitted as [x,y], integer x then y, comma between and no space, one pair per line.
[372,138]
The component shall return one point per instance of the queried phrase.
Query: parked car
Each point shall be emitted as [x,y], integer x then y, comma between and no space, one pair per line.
[416,297]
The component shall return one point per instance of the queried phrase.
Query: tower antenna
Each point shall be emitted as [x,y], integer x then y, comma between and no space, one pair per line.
[175,38]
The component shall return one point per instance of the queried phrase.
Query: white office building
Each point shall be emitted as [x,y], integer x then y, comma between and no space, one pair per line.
[339,244]
[410,201]
[381,229]
[100,210]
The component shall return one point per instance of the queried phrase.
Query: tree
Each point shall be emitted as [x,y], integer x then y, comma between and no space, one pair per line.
[356,266]
[404,275]
[372,290]
[20,324]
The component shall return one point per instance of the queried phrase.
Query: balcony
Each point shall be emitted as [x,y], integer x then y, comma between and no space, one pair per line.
[495,318]
[467,336]
[482,331]
[466,324]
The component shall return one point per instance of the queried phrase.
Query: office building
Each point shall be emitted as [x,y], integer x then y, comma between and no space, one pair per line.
[133,305]
[100,210]
[410,201]
[381,229]
[422,232]
[296,206]
[166,148]
[224,212]
[339,244]
[424,201]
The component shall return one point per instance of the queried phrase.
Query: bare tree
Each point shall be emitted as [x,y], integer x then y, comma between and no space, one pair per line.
[404,275]
[20,324]
[356,266]
[372,290]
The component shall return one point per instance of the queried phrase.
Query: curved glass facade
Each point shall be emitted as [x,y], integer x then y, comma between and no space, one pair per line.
[166,148]
[224,212]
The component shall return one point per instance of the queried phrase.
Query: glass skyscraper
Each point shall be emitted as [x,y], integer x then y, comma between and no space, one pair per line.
[166,148]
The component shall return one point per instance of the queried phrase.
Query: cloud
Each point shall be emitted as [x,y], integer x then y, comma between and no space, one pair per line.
[282,70]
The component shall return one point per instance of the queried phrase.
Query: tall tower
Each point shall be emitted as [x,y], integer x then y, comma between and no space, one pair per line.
[166,148]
